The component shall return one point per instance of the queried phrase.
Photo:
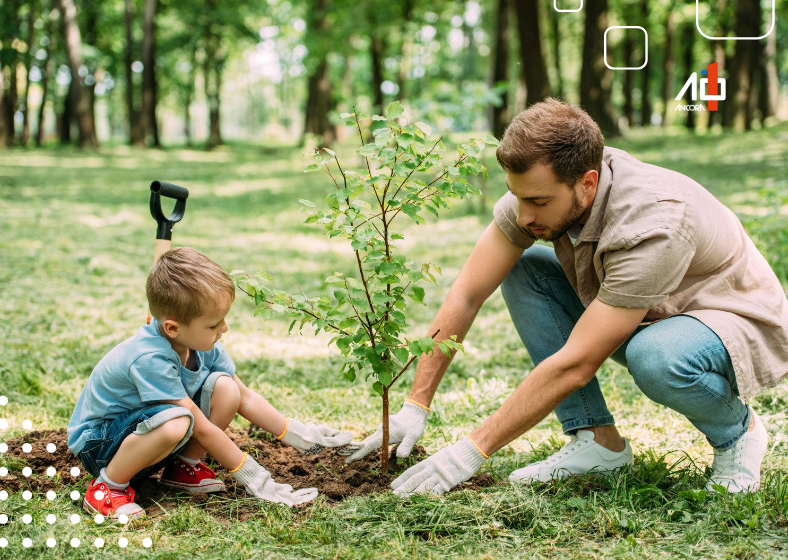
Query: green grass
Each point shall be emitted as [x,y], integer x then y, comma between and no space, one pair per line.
[76,242]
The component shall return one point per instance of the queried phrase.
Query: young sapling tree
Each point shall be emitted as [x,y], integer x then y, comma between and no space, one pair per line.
[403,174]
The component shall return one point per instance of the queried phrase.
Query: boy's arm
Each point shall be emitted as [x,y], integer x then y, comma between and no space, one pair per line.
[309,439]
[259,411]
[211,437]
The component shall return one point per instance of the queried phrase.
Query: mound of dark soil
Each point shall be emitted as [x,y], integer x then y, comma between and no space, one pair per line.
[326,471]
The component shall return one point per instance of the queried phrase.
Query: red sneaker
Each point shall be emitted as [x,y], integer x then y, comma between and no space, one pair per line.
[98,499]
[198,479]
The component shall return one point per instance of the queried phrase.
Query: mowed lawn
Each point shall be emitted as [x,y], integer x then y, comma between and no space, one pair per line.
[76,243]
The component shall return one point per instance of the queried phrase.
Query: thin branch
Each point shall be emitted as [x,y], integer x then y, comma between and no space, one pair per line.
[416,168]
[407,365]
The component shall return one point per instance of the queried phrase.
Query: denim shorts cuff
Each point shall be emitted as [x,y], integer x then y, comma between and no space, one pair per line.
[572,425]
[165,416]
[731,442]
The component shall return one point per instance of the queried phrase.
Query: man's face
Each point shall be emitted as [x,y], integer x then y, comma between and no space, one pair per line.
[548,207]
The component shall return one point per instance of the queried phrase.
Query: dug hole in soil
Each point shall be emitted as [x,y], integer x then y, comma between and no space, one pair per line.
[325,471]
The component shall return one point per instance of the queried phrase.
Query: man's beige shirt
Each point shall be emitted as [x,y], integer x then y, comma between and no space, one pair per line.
[656,239]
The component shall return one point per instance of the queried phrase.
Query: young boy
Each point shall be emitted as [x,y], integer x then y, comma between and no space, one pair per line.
[163,397]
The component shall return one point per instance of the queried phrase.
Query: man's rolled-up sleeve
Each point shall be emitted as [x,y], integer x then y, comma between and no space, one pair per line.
[644,275]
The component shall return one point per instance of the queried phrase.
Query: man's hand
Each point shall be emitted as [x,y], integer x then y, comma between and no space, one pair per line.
[312,439]
[258,482]
[405,428]
[442,471]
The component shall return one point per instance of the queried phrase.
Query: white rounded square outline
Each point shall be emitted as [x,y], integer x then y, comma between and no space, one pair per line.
[604,57]
[555,7]
[697,25]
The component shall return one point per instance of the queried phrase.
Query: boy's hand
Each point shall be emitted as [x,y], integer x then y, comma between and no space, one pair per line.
[312,439]
[258,483]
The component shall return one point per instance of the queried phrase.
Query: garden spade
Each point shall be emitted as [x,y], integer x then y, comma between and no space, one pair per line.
[164,223]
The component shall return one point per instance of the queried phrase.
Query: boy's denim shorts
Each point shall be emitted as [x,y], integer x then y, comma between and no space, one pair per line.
[104,441]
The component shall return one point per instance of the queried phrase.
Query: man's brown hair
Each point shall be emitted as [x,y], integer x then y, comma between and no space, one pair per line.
[552,132]
[184,283]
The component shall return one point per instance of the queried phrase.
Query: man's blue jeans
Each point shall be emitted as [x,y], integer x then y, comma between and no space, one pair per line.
[678,362]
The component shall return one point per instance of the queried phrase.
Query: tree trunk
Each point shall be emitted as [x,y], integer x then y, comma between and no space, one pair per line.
[670,65]
[319,102]
[46,72]
[148,123]
[376,56]
[135,130]
[31,19]
[499,114]
[628,85]
[531,58]
[688,42]
[555,24]
[3,126]
[73,46]
[384,448]
[745,60]
[90,15]
[407,47]
[9,11]
[67,116]
[595,77]
[645,84]
[769,80]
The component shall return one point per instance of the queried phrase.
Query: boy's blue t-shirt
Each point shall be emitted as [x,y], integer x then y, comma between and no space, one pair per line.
[139,372]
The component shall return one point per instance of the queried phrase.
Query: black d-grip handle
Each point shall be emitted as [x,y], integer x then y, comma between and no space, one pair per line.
[165,223]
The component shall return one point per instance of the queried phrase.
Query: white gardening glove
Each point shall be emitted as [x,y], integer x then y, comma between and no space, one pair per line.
[405,428]
[311,439]
[442,471]
[258,483]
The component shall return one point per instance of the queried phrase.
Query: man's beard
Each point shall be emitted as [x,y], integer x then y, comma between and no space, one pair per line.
[571,219]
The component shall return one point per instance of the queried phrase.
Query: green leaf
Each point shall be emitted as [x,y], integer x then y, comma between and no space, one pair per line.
[277,307]
[368,150]
[307,203]
[426,343]
[385,377]
[311,167]
[397,236]
[425,128]
[418,293]
[401,354]
[394,110]
[290,328]
[378,388]
[410,209]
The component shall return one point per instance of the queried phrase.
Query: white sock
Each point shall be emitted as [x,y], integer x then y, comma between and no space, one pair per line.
[116,488]
[192,462]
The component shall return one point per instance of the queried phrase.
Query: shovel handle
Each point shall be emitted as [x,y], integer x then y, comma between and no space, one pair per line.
[164,223]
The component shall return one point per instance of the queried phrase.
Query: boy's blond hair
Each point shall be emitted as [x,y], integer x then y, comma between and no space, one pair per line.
[184,283]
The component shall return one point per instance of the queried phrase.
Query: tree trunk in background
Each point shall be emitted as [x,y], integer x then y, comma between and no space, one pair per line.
[46,72]
[718,51]
[595,77]
[212,81]
[499,115]
[318,101]
[148,123]
[73,46]
[31,19]
[531,57]
[645,84]
[743,65]
[135,131]
[769,81]
[376,57]
[407,47]
[555,27]
[9,11]
[670,66]
[629,79]
[687,43]
[66,118]
[90,16]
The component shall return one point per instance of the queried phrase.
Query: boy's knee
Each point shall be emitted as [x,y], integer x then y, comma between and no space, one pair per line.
[174,430]
[228,391]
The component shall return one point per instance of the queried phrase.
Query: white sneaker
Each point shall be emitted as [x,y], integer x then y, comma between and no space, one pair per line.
[739,468]
[580,456]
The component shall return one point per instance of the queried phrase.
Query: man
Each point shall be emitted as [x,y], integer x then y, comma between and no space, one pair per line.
[648,268]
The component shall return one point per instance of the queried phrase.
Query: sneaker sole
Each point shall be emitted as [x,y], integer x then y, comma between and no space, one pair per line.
[205,489]
[93,511]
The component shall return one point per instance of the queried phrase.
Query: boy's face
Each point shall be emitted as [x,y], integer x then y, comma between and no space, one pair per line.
[204,331]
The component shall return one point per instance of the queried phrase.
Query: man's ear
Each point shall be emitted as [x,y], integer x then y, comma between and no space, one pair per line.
[588,184]
[171,328]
